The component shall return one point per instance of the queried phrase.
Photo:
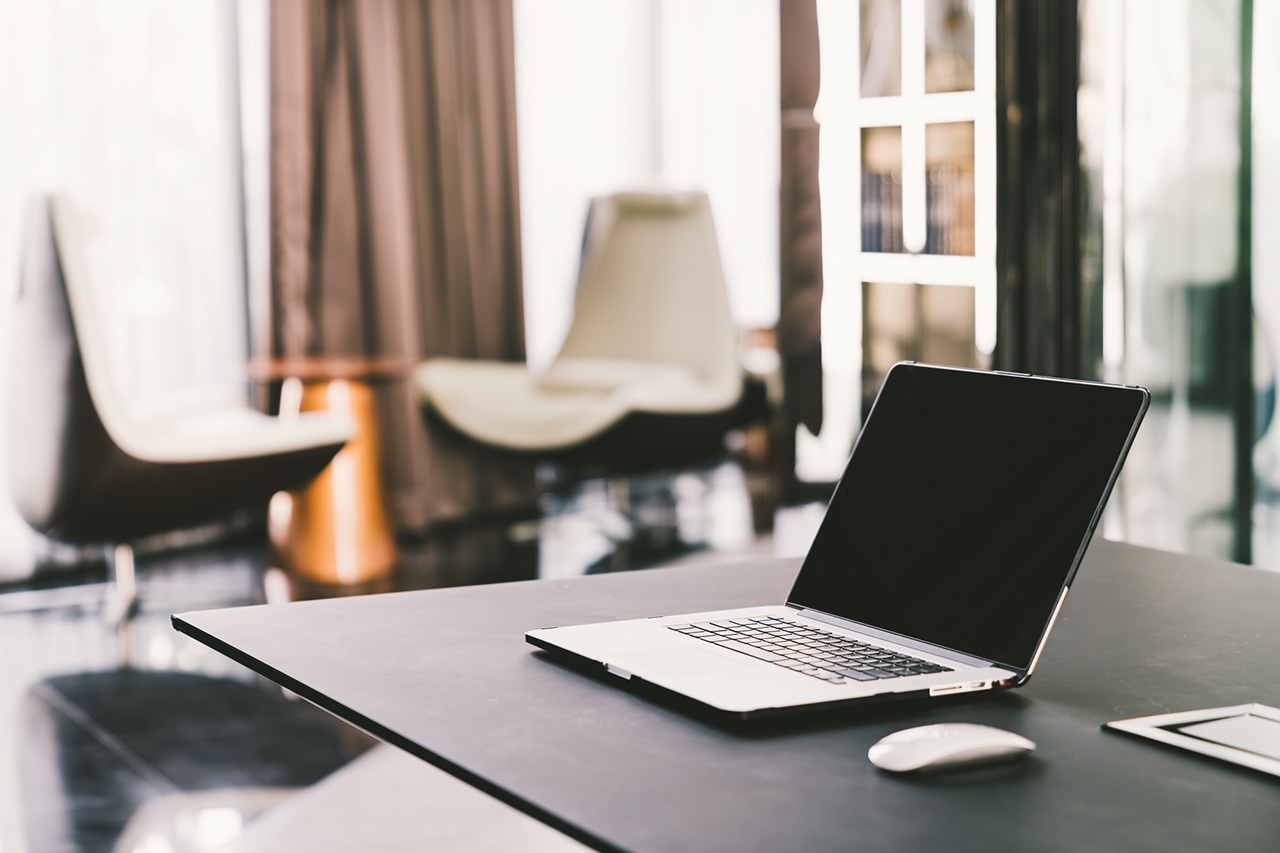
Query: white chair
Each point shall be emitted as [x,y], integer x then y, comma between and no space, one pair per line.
[85,471]
[649,379]
[649,372]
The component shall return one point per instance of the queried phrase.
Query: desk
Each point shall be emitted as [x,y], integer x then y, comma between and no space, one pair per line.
[446,675]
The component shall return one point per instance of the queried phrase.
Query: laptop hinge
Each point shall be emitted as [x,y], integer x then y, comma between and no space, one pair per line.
[889,636]
[1062,596]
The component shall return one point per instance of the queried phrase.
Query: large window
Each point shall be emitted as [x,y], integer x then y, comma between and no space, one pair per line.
[130,107]
[1171,135]
[641,93]
[908,195]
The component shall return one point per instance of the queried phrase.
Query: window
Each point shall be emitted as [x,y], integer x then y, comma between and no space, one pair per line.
[908,195]
[130,107]
[630,95]
[1163,90]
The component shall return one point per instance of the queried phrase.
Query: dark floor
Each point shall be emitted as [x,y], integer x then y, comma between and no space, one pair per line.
[83,744]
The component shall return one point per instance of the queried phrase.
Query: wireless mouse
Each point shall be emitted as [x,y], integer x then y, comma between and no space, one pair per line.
[945,746]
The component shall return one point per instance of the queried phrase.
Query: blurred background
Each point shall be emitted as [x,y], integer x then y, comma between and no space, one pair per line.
[1077,189]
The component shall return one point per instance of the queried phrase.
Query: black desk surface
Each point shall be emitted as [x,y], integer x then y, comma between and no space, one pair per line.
[446,675]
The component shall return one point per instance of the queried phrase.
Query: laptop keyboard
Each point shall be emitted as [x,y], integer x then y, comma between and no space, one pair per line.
[825,655]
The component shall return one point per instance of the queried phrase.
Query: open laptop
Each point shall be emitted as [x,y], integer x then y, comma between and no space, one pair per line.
[940,566]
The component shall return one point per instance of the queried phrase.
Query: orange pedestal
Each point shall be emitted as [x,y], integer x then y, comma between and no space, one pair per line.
[336,529]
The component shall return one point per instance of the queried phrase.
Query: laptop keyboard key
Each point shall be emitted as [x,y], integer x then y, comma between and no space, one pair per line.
[809,651]
[738,646]
[857,675]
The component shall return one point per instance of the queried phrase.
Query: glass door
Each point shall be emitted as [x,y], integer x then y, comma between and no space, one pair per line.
[1166,131]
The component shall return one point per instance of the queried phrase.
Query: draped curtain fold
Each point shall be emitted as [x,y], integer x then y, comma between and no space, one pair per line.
[395,217]
[800,224]
[1039,290]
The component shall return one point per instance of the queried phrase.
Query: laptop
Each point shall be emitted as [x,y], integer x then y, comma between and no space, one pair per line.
[939,568]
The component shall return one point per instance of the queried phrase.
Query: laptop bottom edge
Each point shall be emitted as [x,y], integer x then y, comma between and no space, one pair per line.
[688,705]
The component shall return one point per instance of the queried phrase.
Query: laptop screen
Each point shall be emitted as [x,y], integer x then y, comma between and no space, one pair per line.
[964,506]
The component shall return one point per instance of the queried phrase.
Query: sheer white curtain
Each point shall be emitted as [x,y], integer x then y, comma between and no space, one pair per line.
[644,93]
[128,106]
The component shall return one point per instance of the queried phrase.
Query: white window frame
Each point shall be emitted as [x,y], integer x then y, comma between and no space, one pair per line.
[843,114]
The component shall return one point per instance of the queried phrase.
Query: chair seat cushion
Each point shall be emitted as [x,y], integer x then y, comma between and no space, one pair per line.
[609,374]
[209,424]
[505,404]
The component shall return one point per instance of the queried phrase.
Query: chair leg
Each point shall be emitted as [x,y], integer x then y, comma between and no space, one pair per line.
[122,603]
[618,490]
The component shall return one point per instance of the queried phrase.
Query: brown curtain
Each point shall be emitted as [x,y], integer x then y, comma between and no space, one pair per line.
[395,217]
[800,221]
[1039,292]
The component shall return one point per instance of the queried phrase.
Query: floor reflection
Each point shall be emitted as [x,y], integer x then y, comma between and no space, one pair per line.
[54,642]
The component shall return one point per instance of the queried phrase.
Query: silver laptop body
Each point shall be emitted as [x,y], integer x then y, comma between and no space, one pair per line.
[947,549]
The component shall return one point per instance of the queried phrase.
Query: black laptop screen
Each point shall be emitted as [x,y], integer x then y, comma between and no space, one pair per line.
[964,505]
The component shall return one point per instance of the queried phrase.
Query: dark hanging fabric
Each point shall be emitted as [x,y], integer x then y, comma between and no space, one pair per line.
[800,223]
[395,217]
[1038,283]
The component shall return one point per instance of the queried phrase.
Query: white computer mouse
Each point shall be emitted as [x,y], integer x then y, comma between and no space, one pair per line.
[944,746]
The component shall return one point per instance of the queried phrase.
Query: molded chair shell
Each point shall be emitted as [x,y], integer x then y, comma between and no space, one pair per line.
[83,471]
[652,339]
